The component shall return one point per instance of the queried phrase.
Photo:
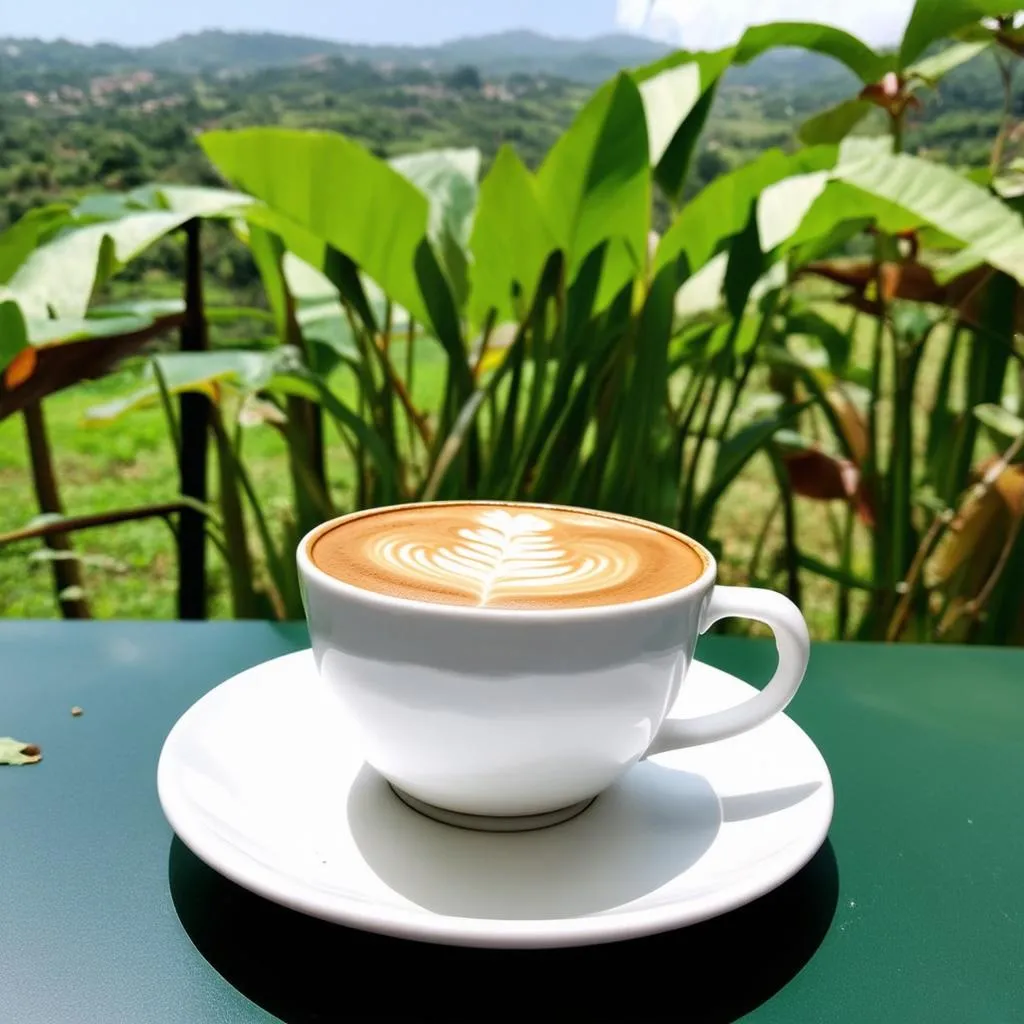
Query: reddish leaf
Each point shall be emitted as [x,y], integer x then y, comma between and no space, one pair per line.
[912,281]
[819,476]
[61,365]
[853,423]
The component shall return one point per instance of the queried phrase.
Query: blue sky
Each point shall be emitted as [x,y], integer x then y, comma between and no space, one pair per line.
[693,23]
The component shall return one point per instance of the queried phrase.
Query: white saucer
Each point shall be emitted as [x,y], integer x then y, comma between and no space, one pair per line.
[260,781]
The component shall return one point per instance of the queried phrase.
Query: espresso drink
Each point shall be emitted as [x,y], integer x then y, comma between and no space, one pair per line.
[505,556]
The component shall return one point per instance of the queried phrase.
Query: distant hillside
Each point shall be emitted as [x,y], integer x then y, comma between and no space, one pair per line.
[506,53]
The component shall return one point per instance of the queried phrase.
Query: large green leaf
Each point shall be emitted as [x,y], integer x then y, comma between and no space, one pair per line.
[746,264]
[195,371]
[722,209]
[644,401]
[932,70]
[335,191]
[782,207]
[327,325]
[46,333]
[595,185]
[677,93]
[736,452]
[668,98]
[448,178]
[192,200]
[19,240]
[841,207]
[833,125]
[13,330]
[148,309]
[58,278]
[941,197]
[511,240]
[833,341]
[1004,423]
[933,20]
[864,62]
[700,296]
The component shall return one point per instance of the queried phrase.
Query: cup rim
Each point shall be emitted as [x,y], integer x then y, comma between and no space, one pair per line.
[308,568]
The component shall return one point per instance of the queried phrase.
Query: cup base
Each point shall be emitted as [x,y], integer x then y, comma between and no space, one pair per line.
[493,823]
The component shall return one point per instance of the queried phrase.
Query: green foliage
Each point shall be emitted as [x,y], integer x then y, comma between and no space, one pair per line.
[932,20]
[511,239]
[610,330]
[337,194]
[832,42]
[831,126]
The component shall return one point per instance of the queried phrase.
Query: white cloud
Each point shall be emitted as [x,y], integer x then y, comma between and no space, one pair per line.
[699,24]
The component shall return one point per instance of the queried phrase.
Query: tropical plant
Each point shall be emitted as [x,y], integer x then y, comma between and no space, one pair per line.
[588,359]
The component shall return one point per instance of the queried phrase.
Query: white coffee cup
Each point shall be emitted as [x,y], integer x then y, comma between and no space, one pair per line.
[518,718]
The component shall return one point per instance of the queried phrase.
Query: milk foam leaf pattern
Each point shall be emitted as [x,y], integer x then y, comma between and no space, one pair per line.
[505,550]
[499,555]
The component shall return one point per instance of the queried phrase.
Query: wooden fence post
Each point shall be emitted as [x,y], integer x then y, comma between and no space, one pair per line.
[195,422]
[67,573]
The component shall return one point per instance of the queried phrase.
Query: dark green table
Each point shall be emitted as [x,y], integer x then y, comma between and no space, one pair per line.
[913,911]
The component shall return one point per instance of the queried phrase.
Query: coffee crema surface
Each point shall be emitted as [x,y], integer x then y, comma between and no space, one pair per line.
[505,556]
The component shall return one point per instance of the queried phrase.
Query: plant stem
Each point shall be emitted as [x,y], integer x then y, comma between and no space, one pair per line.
[738,389]
[753,570]
[412,418]
[690,487]
[846,565]
[168,408]
[873,480]
[1006,71]
[239,559]
[74,524]
[940,524]
[791,550]
[897,128]
[974,608]
[67,573]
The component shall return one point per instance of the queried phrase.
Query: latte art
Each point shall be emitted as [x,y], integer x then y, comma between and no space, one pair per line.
[509,554]
[506,556]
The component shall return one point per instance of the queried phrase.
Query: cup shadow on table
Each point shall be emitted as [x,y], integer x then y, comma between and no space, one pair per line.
[303,970]
[637,836]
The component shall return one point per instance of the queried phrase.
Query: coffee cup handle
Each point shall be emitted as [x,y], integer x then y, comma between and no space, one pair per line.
[793,644]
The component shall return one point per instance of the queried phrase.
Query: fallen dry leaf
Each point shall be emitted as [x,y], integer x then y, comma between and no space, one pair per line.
[15,752]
